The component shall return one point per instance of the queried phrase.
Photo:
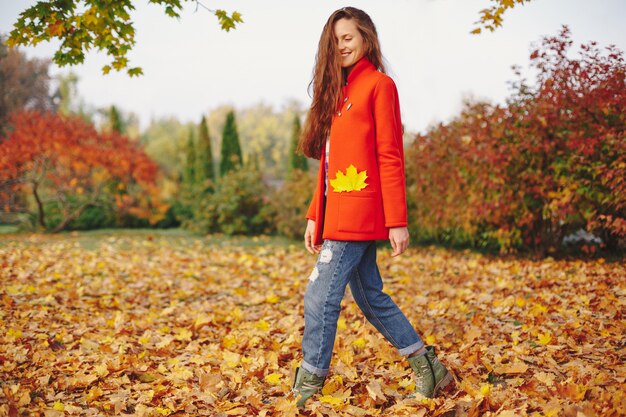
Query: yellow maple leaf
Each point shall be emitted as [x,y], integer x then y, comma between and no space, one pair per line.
[182,333]
[273,378]
[350,181]
[263,325]
[329,399]
[545,338]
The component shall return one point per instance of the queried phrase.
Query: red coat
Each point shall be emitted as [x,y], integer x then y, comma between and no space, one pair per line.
[367,134]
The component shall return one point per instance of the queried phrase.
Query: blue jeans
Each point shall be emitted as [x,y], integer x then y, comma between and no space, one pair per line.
[340,263]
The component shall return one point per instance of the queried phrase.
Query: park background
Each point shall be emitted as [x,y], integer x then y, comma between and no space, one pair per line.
[151,225]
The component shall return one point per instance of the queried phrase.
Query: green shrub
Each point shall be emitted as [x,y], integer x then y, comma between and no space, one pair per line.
[290,203]
[239,205]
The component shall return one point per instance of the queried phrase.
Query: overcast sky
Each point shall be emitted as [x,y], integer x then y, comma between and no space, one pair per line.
[191,66]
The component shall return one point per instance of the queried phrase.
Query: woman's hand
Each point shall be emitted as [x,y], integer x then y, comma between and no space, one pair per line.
[399,239]
[309,237]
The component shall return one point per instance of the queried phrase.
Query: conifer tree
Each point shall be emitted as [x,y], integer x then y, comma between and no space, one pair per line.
[115,120]
[296,161]
[231,150]
[190,164]
[205,169]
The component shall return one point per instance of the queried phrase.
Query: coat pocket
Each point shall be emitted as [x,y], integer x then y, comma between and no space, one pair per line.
[356,212]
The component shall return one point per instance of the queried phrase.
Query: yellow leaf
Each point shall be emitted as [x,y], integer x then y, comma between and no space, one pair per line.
[350,181]
[538,310]
[263,325]
[231,359]
[346,356]
[515,337]
[58,406]
[101,369]
[360,342]
[272,298]
[228,341]
[485,389]
[273,378]
[14,333]
[341,324]
[329,399]
[545,338]
[332,385]
[182,334]
[94,393]
[237,314]
[201,320]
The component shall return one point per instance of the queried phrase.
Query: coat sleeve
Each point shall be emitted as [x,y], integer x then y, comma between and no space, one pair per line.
[390,152]
[310,213]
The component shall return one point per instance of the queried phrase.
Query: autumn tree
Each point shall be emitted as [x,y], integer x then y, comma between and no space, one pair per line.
[550,162]
[68,166]
[24,83]
[81,25]
[165,140]
[296,161]
[205,170]
[491,17]
[67,93]
[231,149]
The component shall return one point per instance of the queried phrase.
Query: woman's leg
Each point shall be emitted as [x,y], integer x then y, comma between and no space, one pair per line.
[322,301]
[367,289]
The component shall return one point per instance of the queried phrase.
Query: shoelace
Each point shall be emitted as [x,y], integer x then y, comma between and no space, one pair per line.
[310,386]
[419,378]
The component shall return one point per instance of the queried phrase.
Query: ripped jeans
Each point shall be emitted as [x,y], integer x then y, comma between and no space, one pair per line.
[340,263]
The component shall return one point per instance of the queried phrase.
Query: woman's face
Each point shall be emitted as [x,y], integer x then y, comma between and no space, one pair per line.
[349,42]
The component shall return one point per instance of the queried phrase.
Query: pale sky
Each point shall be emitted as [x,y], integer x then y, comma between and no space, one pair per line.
[191,66]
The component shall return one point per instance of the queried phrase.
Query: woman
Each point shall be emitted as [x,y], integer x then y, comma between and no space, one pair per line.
[354,128]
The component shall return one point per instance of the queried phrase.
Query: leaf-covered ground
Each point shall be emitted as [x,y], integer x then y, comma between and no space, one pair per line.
[158,326]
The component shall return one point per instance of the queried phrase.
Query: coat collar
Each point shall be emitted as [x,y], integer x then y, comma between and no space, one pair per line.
[361,65]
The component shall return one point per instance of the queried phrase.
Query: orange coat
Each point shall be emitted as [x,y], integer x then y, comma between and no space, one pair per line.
[366,133]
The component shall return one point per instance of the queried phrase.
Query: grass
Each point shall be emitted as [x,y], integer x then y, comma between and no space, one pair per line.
[94,239]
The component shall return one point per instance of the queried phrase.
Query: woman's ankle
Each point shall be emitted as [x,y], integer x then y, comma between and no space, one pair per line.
[418,352]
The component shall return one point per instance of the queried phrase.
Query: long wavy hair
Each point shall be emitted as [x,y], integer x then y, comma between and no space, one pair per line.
[328,77]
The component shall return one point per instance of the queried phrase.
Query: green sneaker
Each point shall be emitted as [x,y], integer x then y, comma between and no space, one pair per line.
[305,385]
[430,374]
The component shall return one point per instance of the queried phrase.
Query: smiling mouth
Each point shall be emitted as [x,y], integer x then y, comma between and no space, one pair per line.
[345,54]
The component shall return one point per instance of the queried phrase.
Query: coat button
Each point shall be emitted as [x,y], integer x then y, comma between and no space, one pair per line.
[338,113]
[345,99]
[349,105]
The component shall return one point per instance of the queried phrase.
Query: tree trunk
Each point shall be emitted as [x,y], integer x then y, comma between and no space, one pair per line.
[41,214]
